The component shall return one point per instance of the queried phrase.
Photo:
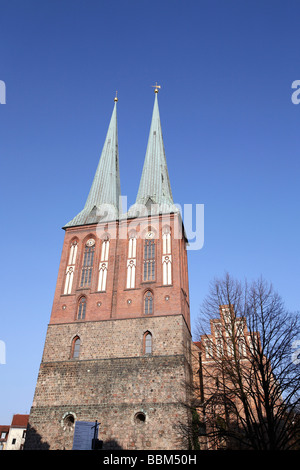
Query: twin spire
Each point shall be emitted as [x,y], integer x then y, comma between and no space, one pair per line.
[103,202]
[155,183]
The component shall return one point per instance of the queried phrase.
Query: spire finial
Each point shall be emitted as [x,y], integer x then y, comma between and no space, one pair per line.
[116,97]
[156,87]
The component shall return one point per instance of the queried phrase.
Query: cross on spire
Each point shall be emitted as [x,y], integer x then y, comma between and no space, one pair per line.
[156,87]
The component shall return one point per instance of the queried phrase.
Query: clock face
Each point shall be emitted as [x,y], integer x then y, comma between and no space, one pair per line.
[90,242]
[150,235]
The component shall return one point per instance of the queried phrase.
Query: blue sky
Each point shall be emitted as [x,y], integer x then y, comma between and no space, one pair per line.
[230,133]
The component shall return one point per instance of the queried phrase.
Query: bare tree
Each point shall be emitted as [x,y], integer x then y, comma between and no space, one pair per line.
[249,396]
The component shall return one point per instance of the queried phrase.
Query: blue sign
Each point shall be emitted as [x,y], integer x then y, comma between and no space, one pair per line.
[83,435]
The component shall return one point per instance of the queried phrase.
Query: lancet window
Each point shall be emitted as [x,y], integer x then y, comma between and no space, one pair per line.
[75,347]
[103,266]
[81,309]
[70,268]
[167,257]
[131,262]
[148,303]
[87,265]
[208,348]
[149,258]
[147,343]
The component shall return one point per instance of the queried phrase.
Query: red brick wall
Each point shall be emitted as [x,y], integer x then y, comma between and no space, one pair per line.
[114,302]
[112,379]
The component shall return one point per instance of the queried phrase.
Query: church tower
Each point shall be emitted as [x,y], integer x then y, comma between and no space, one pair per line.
[117,348]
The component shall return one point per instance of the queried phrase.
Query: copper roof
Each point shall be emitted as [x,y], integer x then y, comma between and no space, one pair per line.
[105,192]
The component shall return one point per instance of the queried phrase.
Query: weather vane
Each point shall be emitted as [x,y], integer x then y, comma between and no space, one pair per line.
[116,97]
[156,87]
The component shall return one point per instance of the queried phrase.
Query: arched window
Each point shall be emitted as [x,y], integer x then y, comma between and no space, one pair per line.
[230,347]
[131,262]
[242,347]
[166,236]
[167,270]
[220,350]
[103,266]
[149,258]
[208,348]
[87,266]
[148,303]
[81,309]
[73,253]
[105,249]
[167,257]
[70,268]
[75,347]
[147,343]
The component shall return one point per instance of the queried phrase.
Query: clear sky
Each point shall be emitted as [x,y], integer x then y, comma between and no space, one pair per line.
[231,135]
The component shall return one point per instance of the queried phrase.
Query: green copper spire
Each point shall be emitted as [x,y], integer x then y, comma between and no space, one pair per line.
[103,199]
[155,184]
[154,192]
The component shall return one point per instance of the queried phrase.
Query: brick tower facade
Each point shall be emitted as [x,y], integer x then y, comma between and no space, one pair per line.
[117,348]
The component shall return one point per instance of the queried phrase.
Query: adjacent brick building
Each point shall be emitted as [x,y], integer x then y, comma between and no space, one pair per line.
[219,359]
[117,348]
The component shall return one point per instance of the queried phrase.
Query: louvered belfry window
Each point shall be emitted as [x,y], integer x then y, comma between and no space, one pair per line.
[149,260]
[87,265]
